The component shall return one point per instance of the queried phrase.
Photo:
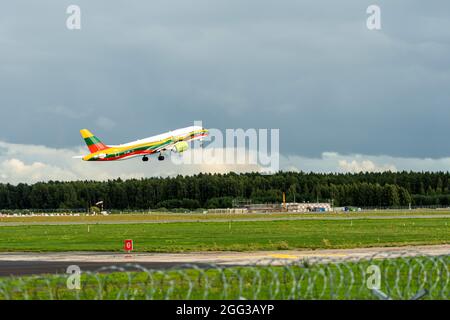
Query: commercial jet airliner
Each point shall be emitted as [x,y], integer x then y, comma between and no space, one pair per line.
[176,141]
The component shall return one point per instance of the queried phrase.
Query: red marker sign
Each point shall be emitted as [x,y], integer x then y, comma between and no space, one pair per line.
[128,245]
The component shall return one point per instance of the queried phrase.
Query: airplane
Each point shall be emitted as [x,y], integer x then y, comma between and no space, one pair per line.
[176,141]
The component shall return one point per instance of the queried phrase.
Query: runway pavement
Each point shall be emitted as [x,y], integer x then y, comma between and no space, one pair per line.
[38,263]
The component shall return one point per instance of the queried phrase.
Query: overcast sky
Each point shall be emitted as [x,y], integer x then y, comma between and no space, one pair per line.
[344,97]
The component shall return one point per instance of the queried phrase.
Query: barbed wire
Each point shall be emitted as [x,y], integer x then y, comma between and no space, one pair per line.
[400,275]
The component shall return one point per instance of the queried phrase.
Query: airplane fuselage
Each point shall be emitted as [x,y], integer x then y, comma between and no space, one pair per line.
[144,147]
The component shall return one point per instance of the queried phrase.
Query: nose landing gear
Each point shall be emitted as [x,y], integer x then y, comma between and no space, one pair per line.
[145,158]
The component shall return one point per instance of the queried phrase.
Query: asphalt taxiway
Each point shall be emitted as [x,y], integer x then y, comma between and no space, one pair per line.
[57,262]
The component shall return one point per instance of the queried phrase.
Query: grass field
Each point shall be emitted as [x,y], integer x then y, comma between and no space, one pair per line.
[399,279]
[219,236]
[157,216]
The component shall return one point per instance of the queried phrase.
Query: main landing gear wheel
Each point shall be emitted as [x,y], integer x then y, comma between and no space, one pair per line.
[160,157]
[145,158]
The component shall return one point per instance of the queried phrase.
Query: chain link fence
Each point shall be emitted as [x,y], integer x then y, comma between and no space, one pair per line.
[381,276]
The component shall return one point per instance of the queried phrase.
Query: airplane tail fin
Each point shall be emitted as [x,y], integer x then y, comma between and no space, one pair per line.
[93,143]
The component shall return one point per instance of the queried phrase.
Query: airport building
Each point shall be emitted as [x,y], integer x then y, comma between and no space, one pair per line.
[276,207]
[308,207]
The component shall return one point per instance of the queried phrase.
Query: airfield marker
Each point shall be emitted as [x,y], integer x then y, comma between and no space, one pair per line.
[128,245]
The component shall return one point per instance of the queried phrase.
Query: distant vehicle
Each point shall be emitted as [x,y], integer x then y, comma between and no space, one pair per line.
[352,209]
[176,141]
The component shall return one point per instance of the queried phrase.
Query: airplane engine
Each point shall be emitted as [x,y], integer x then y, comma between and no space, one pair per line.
[181,146]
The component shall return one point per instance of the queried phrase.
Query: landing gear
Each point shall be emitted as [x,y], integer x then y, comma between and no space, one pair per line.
[160,157]
[145,158]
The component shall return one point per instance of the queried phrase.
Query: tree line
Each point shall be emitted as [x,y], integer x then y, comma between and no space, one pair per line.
[387,189]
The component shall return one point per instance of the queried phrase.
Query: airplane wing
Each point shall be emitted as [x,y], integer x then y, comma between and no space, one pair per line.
[188,138]
[174,140]
[170,146]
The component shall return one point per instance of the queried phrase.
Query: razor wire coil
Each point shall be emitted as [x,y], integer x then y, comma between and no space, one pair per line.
[401,276]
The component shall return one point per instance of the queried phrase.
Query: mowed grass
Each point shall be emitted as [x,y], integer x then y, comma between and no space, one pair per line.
[222,236]
[167,217]
[402,279]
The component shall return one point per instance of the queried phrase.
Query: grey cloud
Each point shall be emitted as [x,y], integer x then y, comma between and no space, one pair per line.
[33,163]
[310,68]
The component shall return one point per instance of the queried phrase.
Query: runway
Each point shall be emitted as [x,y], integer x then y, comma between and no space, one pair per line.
[39,263]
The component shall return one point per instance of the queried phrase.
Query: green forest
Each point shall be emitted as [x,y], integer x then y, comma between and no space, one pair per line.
[387,189]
